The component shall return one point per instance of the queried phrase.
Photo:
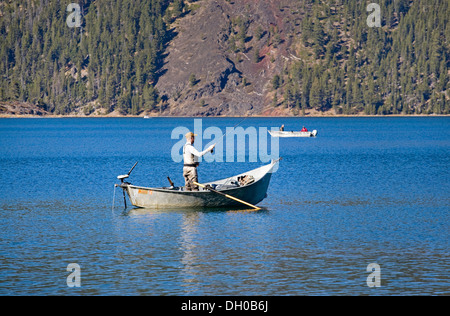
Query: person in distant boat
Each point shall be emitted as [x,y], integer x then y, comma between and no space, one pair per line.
[282,128]
[190,156]
[304,129]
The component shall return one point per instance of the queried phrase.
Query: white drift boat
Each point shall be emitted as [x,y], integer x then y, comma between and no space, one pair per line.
[293,134]
[253,191]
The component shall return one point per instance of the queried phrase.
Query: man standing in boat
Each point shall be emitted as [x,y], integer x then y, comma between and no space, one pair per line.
[190,156]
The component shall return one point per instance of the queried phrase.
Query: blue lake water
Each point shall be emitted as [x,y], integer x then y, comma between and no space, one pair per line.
[365,190]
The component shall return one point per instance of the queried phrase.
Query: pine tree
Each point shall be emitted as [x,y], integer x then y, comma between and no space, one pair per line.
[276,82]
[315,95]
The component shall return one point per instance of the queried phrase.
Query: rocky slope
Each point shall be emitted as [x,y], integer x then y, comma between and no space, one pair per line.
[21,109]
[204,72]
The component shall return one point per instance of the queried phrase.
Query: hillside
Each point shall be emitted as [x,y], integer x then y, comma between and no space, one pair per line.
[218,57]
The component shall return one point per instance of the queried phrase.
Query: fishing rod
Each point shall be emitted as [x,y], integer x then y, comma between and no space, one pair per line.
[232,130]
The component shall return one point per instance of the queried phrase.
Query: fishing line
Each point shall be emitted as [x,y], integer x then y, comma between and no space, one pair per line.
[232,130]
[114,197]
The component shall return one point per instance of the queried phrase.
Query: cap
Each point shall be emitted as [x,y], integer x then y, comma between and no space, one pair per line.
[189,135]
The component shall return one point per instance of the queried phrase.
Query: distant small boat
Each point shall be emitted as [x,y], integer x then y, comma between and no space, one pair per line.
[293,134]
[254,191]
[146,117]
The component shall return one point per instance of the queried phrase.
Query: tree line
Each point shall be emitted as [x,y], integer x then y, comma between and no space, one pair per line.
[114,59]
[398,68]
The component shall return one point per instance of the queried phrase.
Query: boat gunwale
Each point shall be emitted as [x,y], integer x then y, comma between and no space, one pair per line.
[292,134]
[164,190]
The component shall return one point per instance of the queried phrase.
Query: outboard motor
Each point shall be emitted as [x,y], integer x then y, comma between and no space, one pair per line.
[124,184]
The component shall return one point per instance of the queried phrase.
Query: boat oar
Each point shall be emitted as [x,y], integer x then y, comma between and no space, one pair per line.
[226,195]
[170,181]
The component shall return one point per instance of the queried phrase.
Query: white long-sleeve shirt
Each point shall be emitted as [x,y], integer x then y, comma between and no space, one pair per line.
[191,155]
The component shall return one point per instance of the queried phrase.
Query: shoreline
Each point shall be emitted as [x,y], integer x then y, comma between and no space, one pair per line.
[31,116]
[28,110]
